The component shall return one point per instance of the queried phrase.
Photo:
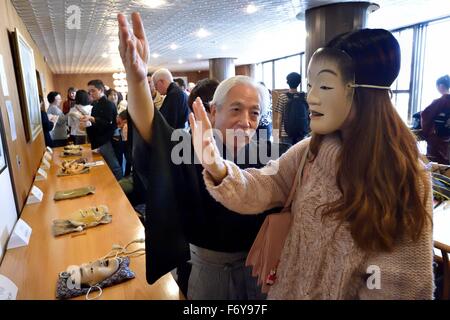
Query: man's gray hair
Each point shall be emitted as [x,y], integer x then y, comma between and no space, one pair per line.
[225,86]
[164,74]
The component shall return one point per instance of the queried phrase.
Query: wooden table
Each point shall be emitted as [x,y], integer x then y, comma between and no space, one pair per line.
[35,268]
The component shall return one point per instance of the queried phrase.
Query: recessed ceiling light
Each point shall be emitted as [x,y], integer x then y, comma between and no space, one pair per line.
[201,33]
[180,61]
[155,55]
[199,56]
[152,3]
[251,8]
[105,55]
[173,46]
[223,47]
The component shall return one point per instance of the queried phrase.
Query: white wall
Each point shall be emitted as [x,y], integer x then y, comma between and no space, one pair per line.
[8,214]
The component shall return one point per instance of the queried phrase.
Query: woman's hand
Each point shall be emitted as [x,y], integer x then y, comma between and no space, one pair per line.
[133,47]
[204,143]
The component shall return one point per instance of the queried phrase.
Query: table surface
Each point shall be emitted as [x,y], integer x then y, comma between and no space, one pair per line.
[35,268]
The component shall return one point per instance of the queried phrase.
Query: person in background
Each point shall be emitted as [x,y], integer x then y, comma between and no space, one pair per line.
[122,125]
[174,108]
[116,97]
[158,98]
[47,125]
[436,124]
[204,89]
[80,109]
[293,80]
[181,84]
[70,102]
[59,132]
[264,130]
[191,86]
[103,119]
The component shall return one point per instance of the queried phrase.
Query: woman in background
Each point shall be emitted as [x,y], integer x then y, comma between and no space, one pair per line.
[81,108]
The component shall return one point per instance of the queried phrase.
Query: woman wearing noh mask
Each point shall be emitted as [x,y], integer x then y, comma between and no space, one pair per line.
[362,203]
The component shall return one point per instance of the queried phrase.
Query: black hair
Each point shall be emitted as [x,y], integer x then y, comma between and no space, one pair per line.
[180,82]
[82,98]
[444,81]
[119,95]
[123,115]
[204,89]
[51,96]
[293,80]
[98,84]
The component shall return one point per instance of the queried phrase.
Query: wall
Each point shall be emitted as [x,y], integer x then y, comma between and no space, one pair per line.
[25,156]
[243,70]
[193,76]
[79,81]
[65,81]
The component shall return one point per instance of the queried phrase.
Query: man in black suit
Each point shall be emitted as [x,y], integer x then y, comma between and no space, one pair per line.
[174,108]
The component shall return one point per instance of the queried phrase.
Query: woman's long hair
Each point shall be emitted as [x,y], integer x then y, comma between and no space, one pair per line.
[379,173]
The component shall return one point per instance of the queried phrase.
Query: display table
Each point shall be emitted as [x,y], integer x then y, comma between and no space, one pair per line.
[35,268]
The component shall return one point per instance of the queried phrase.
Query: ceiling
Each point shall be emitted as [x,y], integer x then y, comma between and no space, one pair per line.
[270,32]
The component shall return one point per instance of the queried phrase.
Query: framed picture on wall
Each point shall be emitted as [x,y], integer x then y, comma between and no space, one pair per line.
[27,85]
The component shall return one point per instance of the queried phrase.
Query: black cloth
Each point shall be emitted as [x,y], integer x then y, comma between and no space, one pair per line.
[179,208]
[47,126]
[175,107]
[105,114]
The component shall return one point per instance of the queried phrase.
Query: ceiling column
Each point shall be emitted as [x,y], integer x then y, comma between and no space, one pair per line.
[252,71]
[325,22]
[221,68]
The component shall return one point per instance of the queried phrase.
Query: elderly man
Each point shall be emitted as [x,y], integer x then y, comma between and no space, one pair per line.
[183,222]
[158,99]
[174,108]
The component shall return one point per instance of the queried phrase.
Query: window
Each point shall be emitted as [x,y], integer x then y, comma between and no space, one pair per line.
[401,88]
[437,60]
[283,67]
[268,74]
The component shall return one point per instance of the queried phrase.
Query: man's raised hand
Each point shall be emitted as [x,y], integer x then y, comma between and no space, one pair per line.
[133,47]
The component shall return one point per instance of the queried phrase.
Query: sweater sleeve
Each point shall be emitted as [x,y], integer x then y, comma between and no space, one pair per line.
[406,273]
[253,191]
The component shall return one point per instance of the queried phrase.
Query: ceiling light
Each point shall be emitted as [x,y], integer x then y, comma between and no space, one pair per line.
[105,55]
[180,61]
[155,55]
[251,8]
[199,56]
[224,47]
[152,3]
[201,33]
[173,46]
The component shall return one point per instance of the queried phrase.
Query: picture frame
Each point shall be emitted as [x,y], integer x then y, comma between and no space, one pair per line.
[27,85]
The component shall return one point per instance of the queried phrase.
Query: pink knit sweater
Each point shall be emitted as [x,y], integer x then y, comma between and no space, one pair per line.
[319,261]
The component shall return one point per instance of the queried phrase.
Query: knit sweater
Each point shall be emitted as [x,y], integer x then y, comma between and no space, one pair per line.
[320,259]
